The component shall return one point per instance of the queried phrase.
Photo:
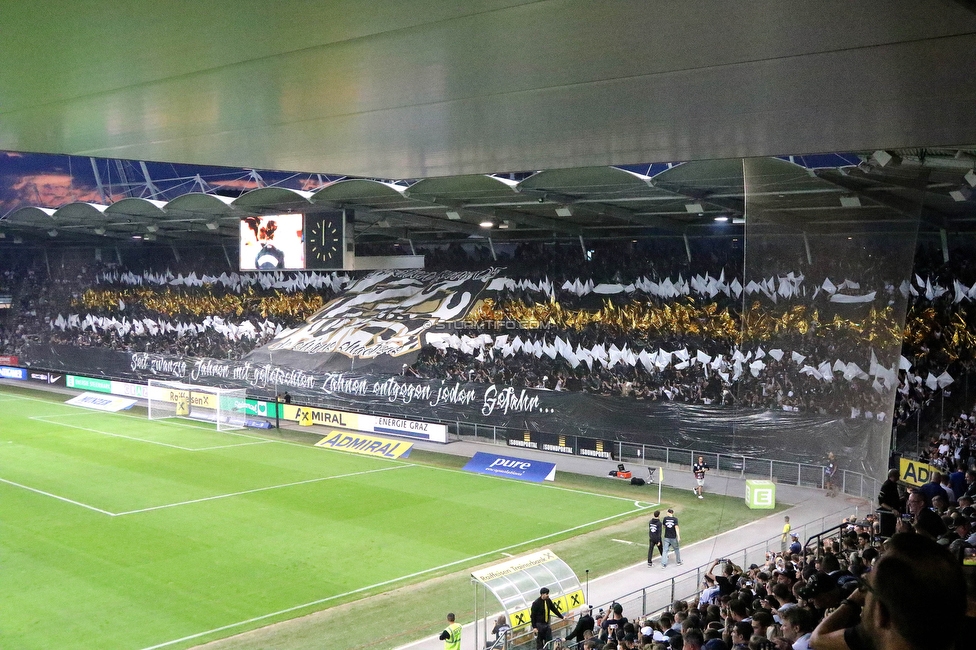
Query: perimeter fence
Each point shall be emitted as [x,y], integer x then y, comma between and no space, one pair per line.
[655,599]
[784,472]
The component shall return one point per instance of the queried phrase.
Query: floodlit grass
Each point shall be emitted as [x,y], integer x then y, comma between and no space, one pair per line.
[409,613]
[118,532]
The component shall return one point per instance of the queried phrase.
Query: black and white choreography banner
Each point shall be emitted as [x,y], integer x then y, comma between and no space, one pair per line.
[775,288]
[766,434]
[379,321]
[123,327]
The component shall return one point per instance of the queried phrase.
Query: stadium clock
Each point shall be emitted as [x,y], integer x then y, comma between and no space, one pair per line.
[324,242]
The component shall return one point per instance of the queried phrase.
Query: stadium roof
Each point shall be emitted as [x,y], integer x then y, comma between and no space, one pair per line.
[696,198]
[454,93]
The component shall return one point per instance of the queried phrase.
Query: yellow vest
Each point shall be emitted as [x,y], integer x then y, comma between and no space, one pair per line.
[453,642]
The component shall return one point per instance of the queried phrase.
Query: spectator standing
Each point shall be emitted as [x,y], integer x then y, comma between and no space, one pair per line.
[784,540]
[585,623]
[672,538]
[889,497]
[933,489]
[699,469]
[451,636]
[957,479]
[654,538]
[830,469]
[795,546]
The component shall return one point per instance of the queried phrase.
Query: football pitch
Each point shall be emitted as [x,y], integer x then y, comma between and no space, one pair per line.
[120,532]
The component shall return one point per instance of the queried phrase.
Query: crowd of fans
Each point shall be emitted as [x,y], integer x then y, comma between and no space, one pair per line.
[202,321]
[860,585]
[859,588]
[934,341]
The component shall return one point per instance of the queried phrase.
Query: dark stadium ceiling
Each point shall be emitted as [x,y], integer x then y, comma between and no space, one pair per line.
[818,194]
[423,88]
[452,92]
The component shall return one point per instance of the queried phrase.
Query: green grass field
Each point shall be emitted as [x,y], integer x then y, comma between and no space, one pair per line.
[118,532]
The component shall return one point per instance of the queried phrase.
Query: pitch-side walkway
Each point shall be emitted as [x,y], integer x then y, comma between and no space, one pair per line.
[809,505]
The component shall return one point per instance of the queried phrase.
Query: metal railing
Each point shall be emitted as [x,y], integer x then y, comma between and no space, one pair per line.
[654,599]
[779,471]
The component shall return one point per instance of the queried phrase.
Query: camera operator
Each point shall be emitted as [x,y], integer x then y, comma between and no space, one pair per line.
[722,584]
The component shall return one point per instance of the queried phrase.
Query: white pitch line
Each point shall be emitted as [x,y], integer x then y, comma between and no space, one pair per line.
[46,419]
[85,411]
[553,487]
[81,410]
[41,418]
[622,541]
[261,489]
[239,444]
[191,501]
[385,583]
[59,498]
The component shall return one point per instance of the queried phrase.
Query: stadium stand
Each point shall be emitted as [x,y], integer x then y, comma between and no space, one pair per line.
[779,603]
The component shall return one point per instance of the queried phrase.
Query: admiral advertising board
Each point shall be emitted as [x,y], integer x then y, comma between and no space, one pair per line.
[307,415]
[361,443]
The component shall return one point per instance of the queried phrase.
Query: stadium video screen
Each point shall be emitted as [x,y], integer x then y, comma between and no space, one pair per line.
[272,243]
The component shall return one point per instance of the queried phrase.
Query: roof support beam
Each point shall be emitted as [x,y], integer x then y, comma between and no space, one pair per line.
[905,207]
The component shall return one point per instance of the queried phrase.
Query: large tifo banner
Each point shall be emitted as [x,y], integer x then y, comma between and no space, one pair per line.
[797,437]
[379,322]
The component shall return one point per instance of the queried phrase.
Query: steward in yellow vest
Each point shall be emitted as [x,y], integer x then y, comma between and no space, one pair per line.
[451,636]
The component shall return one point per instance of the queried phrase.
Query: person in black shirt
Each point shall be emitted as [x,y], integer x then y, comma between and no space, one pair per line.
[889,497]
[539,617]
[654,538]
[672,538]
[585,623]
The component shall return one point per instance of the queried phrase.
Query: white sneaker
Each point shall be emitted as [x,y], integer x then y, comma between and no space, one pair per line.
[700,496]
